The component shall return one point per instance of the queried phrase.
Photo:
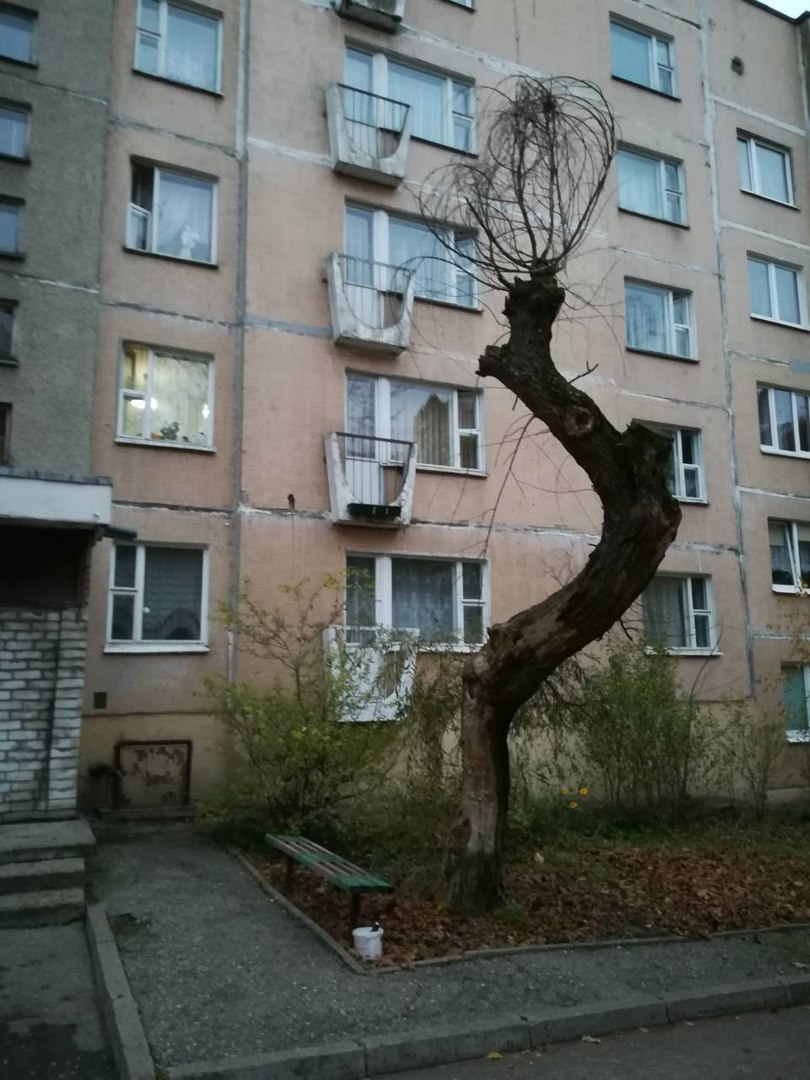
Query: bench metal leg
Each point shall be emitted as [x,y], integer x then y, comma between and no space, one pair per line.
[354,913]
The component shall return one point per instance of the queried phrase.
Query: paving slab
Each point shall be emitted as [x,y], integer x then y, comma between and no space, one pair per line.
[220,971]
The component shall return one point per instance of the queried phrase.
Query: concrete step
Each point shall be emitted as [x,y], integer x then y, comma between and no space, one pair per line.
[37,840]
[23,877]
[41,908]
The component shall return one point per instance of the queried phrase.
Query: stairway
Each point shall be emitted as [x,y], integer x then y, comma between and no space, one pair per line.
[42,872]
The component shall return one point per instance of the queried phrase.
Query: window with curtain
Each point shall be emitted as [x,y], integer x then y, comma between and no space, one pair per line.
[442,107]
[678,614]
[651,185]
[443,421]
[796,701]
[13,131]
[765,169]
[178,42]
[165,398]
[171,213]
[17,35]
[775,290]
[642,57]
[156,595]
[784,420]
[789,543]
[658,319]
[685,478]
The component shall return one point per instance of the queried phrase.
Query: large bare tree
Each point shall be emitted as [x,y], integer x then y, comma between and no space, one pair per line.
[531,196]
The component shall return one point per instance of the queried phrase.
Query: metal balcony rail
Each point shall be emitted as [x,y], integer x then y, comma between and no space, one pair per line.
[374,468]
[374,124]
[375,292]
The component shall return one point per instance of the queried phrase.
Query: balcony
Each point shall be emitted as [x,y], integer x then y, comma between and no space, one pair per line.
[371,480]
[371,303]
[376,665]
[380,14]
[368,135]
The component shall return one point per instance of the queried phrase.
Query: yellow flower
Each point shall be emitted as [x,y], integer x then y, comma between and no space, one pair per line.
[573,805]
[583,791]
[563,790]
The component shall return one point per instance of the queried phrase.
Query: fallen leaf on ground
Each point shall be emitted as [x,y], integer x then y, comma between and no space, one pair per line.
[590,1039]
[493,1055]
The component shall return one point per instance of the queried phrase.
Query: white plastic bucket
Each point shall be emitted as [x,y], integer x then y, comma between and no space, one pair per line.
[368,942]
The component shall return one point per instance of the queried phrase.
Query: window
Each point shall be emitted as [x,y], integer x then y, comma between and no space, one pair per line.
[651,185]
[642,57]
[13,131]
[796,701]
[765,169]
[171,213]
[442,108]
[157,596]
[179,42]
[678,613]
[774,290]
[789,542]
[444,422]
[685,473]
[374,236]
[784,421]
[441,598]
[8,309]
[5,432]
[658,319]
[10,216]
[17,34]
[165,397]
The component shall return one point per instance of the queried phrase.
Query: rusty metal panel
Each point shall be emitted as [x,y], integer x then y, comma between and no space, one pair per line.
[153,773]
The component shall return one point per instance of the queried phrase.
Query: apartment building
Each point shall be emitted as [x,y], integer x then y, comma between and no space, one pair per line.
[285,373]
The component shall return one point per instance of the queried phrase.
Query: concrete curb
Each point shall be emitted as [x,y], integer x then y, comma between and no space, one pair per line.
[376,1055]
[133,1059]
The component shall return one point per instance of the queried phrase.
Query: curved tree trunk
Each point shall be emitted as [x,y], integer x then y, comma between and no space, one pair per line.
[640,519]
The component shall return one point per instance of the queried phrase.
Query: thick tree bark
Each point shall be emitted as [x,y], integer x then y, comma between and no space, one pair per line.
[640,519]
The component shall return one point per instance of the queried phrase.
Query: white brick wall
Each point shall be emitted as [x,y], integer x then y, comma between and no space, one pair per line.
[42,656]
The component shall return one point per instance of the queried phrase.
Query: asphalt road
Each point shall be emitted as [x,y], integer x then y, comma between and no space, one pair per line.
[759,1046]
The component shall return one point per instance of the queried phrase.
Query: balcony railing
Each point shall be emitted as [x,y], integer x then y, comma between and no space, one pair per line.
[368,134]
[371,303]
[371,480]
[381,14]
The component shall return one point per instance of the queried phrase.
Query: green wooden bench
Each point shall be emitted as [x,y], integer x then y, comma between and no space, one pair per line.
[340,873]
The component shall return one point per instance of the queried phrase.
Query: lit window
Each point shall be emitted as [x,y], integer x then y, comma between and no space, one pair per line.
[171,213]
[157,596]
[765,169]
[775,290]
[10,219]
[165,397]
[13,131]
[178,42]
[379,244]
[678,613]
[796,701]
[442,108]
[784,420]
[17,34]
[8,310]
[789,542]
[642,57]
[443,421]
[651,185]
[658,319]
[443,599]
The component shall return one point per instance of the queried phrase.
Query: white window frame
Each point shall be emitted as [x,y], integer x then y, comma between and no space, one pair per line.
[25,112]
[137,644]
[771,265]
[680,468]
[774,448]
[791,536]
[797,735]
[382,418]
[671,325]
[162,39]
[752,143]
[149,215]
[379,86]
[380,253]
[384,598]
[655,39]
[31,17]
[690,611]
[664,189]
[125,394]
[469,4]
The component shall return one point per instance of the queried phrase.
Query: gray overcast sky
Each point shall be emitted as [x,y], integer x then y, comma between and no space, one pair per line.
[790,7]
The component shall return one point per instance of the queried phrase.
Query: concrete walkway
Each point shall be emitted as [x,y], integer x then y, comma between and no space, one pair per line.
[220,971]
